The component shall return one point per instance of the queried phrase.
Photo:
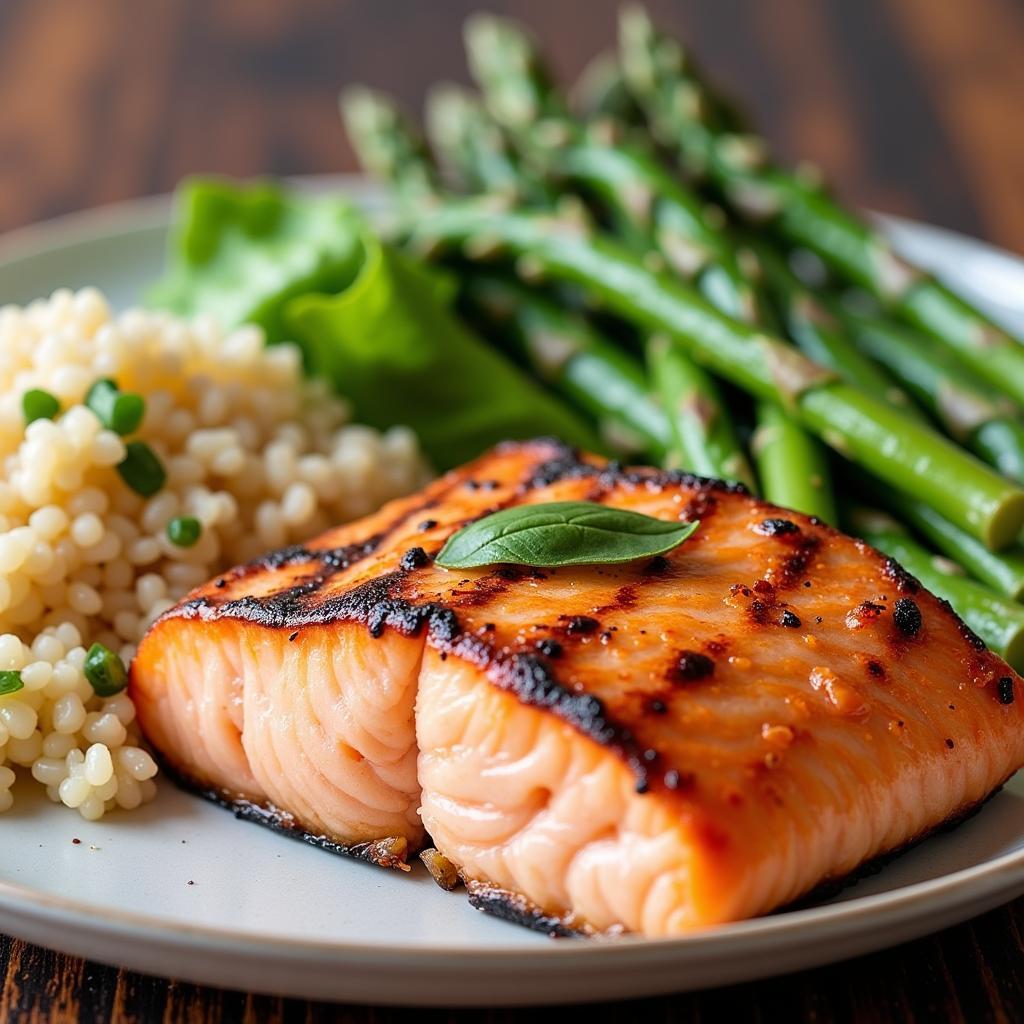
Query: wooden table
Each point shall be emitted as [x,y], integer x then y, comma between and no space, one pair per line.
[911,106]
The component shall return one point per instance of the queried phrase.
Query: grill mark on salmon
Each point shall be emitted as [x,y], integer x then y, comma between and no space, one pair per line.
[557,731]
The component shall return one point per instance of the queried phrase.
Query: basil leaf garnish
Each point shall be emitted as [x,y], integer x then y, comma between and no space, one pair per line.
[561,533]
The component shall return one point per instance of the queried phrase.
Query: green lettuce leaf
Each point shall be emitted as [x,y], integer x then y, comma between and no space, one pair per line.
[376,324]
[240,252]
[392,345]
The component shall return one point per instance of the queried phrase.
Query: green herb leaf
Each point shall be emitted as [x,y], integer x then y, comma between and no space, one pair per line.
[37,404]
[562,533]
[105,671]
[10,682]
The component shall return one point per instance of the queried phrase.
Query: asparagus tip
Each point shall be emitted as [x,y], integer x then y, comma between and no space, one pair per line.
[366,113]
[491,40]
[448,107]
[502,56]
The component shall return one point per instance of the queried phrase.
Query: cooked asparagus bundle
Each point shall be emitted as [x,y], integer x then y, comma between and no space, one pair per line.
[649,207]
[476,148]
[651,211]
[683,114]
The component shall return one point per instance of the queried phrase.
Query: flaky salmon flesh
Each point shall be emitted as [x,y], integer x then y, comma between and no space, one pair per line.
[652,747]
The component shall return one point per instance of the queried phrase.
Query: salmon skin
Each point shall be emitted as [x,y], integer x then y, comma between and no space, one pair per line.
[650,747]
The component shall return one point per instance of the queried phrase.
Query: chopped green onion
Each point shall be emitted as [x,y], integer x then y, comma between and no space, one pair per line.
[105,671]
[183,531]
[128,412]
[117,410]
[10,682]
[37,404]
[141,470]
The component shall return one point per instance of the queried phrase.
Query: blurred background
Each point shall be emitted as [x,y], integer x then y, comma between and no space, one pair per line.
[911,106]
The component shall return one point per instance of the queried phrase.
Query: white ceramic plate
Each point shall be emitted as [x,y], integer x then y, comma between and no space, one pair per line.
[181,889]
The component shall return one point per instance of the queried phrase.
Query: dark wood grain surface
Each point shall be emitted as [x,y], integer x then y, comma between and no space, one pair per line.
[911,106]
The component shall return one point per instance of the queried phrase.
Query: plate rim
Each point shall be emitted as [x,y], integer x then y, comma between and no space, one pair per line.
[1000,877]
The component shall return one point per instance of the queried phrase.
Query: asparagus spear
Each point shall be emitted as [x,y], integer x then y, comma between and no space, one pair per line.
[820,336]
[1003,571]
[506,64]
[601,92]
[999,622]
[385,143]
[567,353]
[969,409]
[887,442]
[703,436]
[475,149]
[683,115]
[792,467]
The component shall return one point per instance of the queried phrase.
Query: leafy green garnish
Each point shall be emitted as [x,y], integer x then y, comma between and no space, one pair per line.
[391,345]
[562,533]
[10,682]
[240,252]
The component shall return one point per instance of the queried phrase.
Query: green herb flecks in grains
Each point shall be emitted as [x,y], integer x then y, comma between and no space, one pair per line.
[562,533]
[184,531]
[141,470]
[10,682]
[37,404]
[105,671]
[117,410]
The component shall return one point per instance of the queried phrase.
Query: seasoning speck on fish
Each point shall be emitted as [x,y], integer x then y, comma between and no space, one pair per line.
[906,616]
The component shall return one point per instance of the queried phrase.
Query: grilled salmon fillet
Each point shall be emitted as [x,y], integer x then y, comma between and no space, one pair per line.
[652,747]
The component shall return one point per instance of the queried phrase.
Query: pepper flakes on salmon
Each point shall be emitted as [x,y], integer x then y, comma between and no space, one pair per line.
[571,775]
